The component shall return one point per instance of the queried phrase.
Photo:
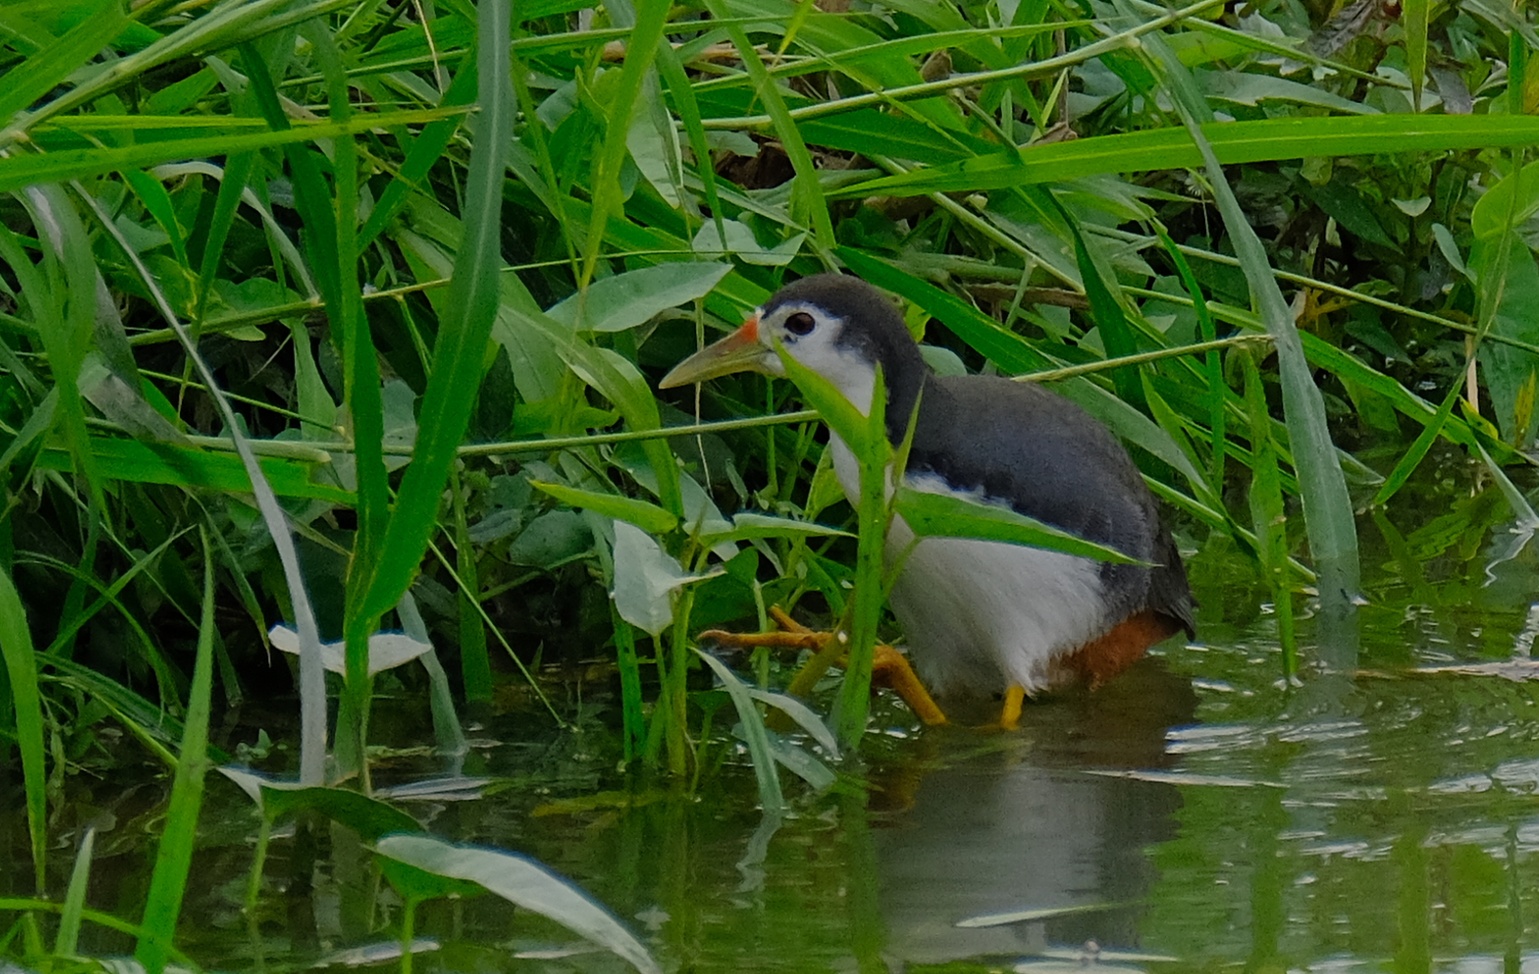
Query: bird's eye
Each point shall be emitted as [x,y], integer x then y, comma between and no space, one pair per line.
[801,323]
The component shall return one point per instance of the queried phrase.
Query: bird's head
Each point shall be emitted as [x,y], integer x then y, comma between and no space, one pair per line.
[837,326]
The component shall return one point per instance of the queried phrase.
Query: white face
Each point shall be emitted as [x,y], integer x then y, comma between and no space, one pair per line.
[810,335]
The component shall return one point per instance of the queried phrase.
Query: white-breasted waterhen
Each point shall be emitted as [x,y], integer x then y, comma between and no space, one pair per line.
[982,616]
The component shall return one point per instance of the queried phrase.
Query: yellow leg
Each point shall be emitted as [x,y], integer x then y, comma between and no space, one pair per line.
[1010,715]
[888,665]
[892,666]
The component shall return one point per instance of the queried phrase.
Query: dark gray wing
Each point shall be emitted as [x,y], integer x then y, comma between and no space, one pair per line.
[1050,460]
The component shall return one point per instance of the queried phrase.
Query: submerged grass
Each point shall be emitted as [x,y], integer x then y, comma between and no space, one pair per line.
[398,251]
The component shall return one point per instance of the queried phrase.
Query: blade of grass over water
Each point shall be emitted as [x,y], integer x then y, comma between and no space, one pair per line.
[1328,508]
[463,330]
[67,940]
[1267,516]
[173,860]
[27,712]
[312,677]
[755,736]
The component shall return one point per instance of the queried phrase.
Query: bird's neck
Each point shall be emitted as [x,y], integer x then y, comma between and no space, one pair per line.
[901,397]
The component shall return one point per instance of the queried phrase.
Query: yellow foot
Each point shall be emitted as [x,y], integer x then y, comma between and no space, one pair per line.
[888,666]
[1010,714]
[892,669]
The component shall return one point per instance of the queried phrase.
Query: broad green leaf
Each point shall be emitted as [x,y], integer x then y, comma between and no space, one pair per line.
[635,297]
[1508,280]
[1507,205]
[748,526]
[387,650]
[1248,88]
[930,515]
[646,577]
[523,883]
[173,858]
[741,243]
[648,517]
[369,817]
[551,539]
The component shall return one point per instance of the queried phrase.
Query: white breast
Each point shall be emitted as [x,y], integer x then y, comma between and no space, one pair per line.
[1017,610]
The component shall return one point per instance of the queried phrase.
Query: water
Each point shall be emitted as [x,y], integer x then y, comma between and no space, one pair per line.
[1195,815]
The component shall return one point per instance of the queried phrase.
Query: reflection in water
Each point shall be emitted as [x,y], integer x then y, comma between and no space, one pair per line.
[1032,823]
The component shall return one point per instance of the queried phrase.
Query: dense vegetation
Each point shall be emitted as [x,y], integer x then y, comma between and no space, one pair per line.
[426,280]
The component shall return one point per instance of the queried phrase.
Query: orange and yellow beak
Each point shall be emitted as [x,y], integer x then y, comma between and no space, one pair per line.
[740,351]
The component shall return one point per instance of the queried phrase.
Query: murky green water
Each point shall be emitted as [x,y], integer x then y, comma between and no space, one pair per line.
[1194,816]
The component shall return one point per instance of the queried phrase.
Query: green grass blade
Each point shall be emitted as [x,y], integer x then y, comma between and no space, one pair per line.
[446,723]
[39,73]
[1417,451]
[1213,366]
[22,170]
[237,172]
[755,735]
[1413,20]
[475,663]
[67,340]
[877,462]
[426,150]
[173,860]
[651,16]
[27,706]
[1116,334]
[64,944]
[132,461]
[688,110]
[807,185]
[1327,506]
[648,517]
[312,677]
[464,327]
[1267,515]
[1232,143]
